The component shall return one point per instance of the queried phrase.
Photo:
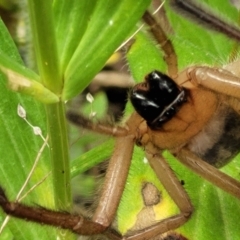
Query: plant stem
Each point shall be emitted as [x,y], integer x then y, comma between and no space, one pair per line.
[58,142]
[45,44]
[44,39]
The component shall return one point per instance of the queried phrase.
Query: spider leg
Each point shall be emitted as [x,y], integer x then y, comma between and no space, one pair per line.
[114,181]
[40,215]
[80,120]
[202,16]
[218,80]
[170,56]
[209,172]
[176,192]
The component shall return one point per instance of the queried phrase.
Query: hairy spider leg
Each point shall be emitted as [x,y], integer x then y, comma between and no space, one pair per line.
[218,80]
[170,56]
[80,120]
[210,173]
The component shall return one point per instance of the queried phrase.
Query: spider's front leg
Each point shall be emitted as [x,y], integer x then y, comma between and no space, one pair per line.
[224,81]
[114,181]
[119,164]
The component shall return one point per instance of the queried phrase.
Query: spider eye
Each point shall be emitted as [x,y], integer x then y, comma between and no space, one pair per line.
[160,101]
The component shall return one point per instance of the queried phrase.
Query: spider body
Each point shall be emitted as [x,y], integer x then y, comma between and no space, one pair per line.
[203,121]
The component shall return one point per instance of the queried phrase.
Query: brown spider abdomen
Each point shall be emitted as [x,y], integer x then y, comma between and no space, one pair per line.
[188,122]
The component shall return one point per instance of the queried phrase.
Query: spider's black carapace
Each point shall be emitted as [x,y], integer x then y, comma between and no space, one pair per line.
[157,99]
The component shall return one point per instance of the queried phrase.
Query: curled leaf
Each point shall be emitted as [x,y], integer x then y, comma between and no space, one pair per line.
[21,83]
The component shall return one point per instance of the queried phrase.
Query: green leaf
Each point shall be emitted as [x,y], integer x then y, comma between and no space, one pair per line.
[91,158]
[7,45]
[145,61]
[109,25]
[71,18]
[19,148]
